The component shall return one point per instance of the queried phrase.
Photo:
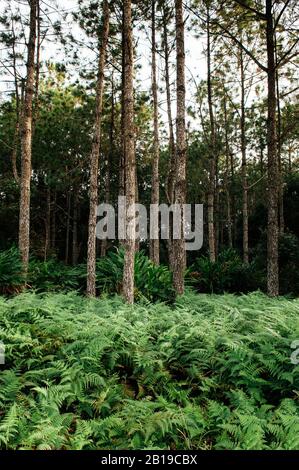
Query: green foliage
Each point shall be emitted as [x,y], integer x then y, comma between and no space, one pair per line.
[288,264]
[53,275]
[151,282]
[11,271]
[212,373]
[288,250]
[227,274]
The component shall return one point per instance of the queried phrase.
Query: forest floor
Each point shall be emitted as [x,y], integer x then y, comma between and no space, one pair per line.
[211,372]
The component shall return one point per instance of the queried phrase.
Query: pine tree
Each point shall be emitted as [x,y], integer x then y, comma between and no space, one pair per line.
[129,152]
[94,158]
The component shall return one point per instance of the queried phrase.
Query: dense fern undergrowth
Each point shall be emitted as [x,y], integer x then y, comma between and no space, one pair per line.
[211,372]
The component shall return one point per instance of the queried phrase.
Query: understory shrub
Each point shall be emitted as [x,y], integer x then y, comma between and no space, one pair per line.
[288,250]
[53,275]
[212,373]
[288,264]
[151,281]
[227,274]
[11,276]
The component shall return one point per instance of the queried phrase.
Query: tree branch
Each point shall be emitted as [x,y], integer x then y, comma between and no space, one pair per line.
[262,16]
[282,60]
[236,40]
[281,13]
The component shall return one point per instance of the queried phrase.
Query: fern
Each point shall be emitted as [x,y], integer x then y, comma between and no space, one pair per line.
[212,372]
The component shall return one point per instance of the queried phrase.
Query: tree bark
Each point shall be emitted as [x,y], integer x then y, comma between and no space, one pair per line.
[15,152]
[170,180]
[53,236]
[244,162]
[155,194]
[68,226]
[75,250]
[273,176]
[226,179]
[26,143]
[104,244]
[279,144]
[47,224]
[212,150]
[179,260]
[94,158]
[129,153]
[121,183]
[18,109]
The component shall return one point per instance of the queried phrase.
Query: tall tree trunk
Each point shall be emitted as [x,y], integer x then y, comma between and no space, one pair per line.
[273,175]
[75,247]
[37,68]
[121,183]
[226,179]
[94,159]
[26,143]
[170,181]
[179,261]
[53,236]
[104,244]
[155,195]
[15,151]
[233,198]
[212,150]
[47,224]
[137,239]
[18,108]
[217,206]
[129,153]
[279,144]
[68,226]
[244,162]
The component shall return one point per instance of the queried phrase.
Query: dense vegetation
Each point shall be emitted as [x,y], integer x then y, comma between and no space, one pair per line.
[113,336]
[224,133]
[212,373]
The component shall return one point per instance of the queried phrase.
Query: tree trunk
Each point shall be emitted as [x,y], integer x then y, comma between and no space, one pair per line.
[212,150]
[273,176]
[75,251]
[26,144]
[155,195]
[137,238]
[170,181]
[179,260]
[104,244]
[129,153]
[47,224]
[18,108]
[94,159]
[53,236]
[15,152]
[121,183]
[68,226]
[233,198]
[226,179]
[217,206]
[244,163]
[37,68]
[279,144]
